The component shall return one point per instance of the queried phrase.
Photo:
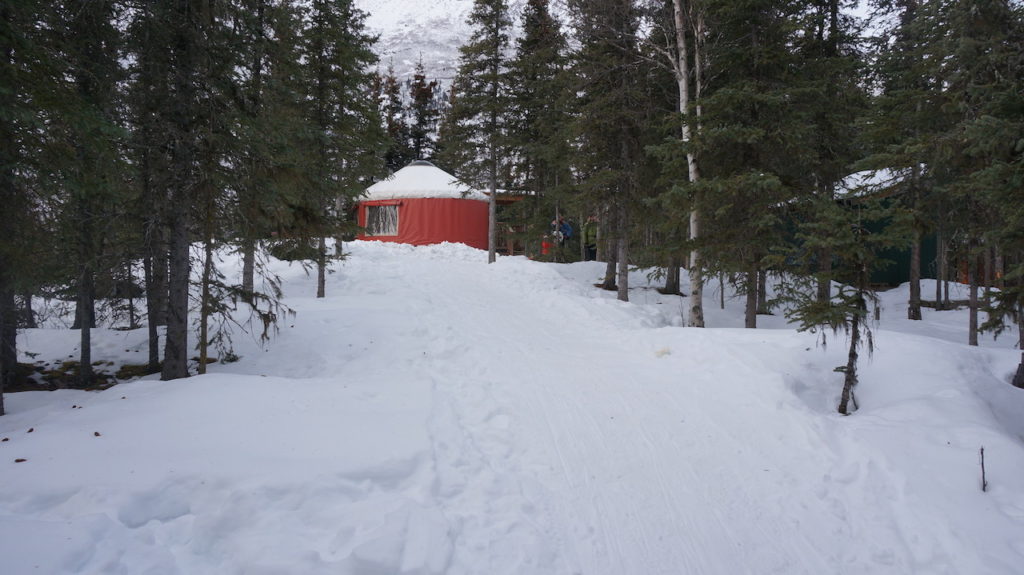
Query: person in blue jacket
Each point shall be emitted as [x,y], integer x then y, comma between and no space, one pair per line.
[562,229]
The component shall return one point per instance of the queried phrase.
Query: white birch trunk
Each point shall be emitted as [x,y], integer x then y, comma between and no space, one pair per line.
[492,209]
[681,67]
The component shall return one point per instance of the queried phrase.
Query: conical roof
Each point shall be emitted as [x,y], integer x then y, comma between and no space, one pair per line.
[421,179]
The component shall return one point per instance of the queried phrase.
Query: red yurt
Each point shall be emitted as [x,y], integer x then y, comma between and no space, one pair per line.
[422,204]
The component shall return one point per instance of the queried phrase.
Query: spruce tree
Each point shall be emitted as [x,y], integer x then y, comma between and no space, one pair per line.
[950,119]
[148,99]
[539,111]
[911,112]
[983,151]
[261,137]
[754,142]
[400,150]
[454,132]
[200,125]
[836,101]
[342,118]
[92,175]
[475,144]
[856,231]
[27,86]
[610,119]
[190,27]
[267,154]
[219,119]
[993,42]
[423,114]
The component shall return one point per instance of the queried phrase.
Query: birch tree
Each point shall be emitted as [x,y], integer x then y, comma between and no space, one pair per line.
[684,43]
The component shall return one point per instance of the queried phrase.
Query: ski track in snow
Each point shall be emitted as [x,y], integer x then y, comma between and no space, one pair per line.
[584,473]
[466,418]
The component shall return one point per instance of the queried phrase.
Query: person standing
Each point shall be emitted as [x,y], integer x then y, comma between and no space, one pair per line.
[562,230]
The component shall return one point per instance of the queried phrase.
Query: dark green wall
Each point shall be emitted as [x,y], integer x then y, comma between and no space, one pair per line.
[898,270]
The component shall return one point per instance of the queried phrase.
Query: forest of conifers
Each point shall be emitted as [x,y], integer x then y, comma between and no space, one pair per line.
[140,139]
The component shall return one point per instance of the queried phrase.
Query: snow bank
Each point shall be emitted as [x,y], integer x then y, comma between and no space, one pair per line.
[435,414]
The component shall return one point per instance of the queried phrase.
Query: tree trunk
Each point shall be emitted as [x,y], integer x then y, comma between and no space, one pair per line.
[672,276]
[914,304]
[860,312]
[153,363]
[248,265]
[693,170]
[8,338]
[133,320]
[696,318]
[582,218]
[153,226]
[161,278]
[623,257]
[1020,325]
[1000,269]
[493,130]
[610,270]
[691,123]
[940,268]
[850,373]
[492,204]
[989,276]
[9,196]
[946,303]
[185,52]
[750,313]
[825,275]
[176,339]
[972,279]
[612,254]
[28,315]
[762,293]
[205,299]
[86,377]
[623,270]
[321,268]
[339,242]
[154,270]
[85,310]
[721,290]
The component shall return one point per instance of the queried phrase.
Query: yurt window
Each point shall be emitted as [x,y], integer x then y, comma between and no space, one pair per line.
[382,220]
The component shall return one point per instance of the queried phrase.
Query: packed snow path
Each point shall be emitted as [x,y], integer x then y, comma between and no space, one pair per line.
[438,415]
[569,453]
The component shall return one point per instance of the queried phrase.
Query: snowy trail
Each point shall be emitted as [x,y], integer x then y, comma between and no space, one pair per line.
[438,415]
[610,461]
[622,493]
[614,484]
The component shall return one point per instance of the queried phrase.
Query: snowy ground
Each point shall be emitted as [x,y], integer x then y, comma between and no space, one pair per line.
[435,414]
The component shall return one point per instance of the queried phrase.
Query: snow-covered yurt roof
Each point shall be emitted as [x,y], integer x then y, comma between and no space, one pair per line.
[421,179]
